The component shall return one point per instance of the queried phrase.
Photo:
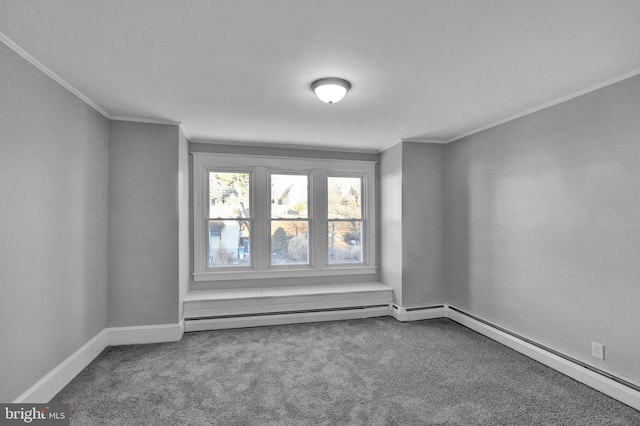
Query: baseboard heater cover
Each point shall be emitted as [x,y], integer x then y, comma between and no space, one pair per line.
[305,311]
[421,308]
[418,313]
[261,319]
[550,350]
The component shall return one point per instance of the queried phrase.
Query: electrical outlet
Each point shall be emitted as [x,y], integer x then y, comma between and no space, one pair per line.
[597,350]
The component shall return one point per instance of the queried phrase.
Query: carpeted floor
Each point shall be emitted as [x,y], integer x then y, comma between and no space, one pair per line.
[360,372]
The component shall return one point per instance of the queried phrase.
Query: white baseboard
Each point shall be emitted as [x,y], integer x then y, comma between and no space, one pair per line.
[145,334]
[288,318]
[613,389]
[415,314]
[574,370]
[53,382]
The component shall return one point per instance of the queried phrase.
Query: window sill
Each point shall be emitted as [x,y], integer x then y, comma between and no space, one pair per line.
[283,273]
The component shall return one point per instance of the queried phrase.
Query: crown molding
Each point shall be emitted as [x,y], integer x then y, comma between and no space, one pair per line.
[55,77]
[415,140]
[549,104]
[144,120]
[421,140]
[275,145]
[152,121]
[20,51]
[185,132]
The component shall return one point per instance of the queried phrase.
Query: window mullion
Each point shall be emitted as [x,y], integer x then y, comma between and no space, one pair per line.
[200,216]
[369,216]
[319,219]
[261,222]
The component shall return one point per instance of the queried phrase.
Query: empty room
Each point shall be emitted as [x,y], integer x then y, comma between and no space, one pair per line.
[363,212]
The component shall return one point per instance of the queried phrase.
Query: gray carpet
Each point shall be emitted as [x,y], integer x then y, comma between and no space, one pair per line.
[360,372]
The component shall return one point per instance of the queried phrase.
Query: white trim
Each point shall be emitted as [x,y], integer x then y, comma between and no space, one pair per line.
[575,371]
[420,140]
[273,145]
[549,104]
[146,334]
[282,163]
[416,314]
[609,387]
[146,120]
[54,381]
[55,77]
[288,318]
[20,51]
[259,166]
[285,273]
[207,304]
[185,132]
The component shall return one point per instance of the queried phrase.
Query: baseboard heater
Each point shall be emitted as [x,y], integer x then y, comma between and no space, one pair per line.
[421,308]
[553,351]
[255,319]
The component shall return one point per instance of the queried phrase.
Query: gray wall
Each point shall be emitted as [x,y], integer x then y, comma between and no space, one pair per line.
[423,224]
[280,152]
[143,224]
[184,215]
[412,235]
[391,263]
[543,229]
[53,224]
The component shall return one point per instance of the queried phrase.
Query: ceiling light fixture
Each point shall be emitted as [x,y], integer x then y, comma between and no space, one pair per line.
[330,90]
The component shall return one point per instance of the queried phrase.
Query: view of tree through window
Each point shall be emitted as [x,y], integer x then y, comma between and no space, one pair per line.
[344,213]
[289,219]
[229,237]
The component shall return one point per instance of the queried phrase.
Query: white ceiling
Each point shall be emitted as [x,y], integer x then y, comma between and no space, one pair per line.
[240,71]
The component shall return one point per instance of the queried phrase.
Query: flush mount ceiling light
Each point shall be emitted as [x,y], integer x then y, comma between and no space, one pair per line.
[330,90]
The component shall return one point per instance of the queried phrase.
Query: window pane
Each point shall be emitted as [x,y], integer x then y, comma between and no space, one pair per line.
[289,242]
[344,197]
[345,241]
[229,243]
[229,195]
[289,196]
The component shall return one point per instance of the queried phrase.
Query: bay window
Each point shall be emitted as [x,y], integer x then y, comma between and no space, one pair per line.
[271,217]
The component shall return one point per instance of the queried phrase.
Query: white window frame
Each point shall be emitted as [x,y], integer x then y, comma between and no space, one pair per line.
[309,219]
[363,203]
[261,167]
